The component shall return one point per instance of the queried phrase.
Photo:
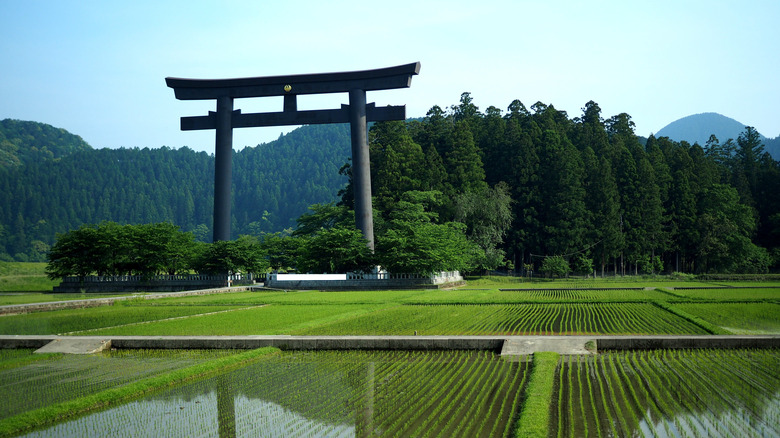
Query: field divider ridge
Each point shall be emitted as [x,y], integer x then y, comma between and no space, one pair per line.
[492,343]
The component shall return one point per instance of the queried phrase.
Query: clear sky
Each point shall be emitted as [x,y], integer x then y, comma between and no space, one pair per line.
[98,68]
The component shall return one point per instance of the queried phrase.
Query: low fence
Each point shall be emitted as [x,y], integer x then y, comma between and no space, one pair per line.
[155,283]
[382,280]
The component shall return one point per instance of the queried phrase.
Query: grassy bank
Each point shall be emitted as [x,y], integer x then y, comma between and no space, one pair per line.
[25,277]
[535,415]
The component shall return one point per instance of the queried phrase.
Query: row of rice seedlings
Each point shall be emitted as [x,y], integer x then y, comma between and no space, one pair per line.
[556,295]
[738,318]
[339,393]
[731,293]
[71,320]
[463,423]
[521,319]
[431,395]
[266,320]
[520,296]
[734,395]
[416,393]
[13,357]
[460,421]
[670,393]
[45,382]
[453,410]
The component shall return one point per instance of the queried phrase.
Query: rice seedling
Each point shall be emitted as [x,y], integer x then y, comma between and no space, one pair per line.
[520,319]
[671,393]
[44,380]
[738,318]
[731,293]
[70,320]
[119,393]
[266,320]
[334,393]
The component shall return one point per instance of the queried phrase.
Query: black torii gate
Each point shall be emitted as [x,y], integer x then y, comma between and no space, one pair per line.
[357,113]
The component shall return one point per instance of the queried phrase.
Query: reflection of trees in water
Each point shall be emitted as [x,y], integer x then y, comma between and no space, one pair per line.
[671,393]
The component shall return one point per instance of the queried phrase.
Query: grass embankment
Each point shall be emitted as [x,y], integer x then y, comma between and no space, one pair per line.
[113,396]
[25,277]
[535,415]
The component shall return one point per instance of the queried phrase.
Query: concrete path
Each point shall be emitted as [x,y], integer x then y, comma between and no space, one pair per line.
[520,346]
[75,345]
[508,345]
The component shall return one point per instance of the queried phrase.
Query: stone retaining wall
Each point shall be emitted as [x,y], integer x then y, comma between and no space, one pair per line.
[492,343]
[157,283]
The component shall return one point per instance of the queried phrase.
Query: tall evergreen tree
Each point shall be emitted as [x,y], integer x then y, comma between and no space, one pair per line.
[562,214]
[396,163]
[463,162]
[602,202]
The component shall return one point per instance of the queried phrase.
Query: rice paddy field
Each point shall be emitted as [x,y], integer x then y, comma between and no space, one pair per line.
[669,393]
[329,394]
[658,393]
[500,310]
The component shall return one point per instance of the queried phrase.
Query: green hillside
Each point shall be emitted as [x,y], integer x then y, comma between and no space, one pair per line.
[23,142]
[274,183]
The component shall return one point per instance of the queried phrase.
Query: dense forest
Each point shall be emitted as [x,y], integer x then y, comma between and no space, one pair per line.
[526,183]
[589,188]
[274,183]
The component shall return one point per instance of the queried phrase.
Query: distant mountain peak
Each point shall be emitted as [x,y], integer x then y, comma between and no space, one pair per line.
[697,128]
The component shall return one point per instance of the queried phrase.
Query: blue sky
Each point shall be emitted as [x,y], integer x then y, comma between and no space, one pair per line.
[98,68]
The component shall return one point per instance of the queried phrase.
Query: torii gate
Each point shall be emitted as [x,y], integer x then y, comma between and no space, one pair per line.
[357,113]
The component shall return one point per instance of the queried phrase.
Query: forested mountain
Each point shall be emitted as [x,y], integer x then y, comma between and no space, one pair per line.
[23,142]
[697,128]
[273,184]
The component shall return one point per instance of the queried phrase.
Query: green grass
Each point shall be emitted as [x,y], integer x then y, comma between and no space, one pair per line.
[535,415]
[731,293]
[738,318]
[70,320]
[268,320]
[24,277]
[694,319]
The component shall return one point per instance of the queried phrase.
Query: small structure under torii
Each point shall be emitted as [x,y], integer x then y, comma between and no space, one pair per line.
[357,113]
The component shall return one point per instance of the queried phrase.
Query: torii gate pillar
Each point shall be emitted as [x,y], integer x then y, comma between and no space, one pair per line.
[223,168]
[358,113]
[361,165]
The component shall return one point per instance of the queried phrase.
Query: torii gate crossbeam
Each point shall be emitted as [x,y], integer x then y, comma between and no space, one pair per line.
[357,113]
